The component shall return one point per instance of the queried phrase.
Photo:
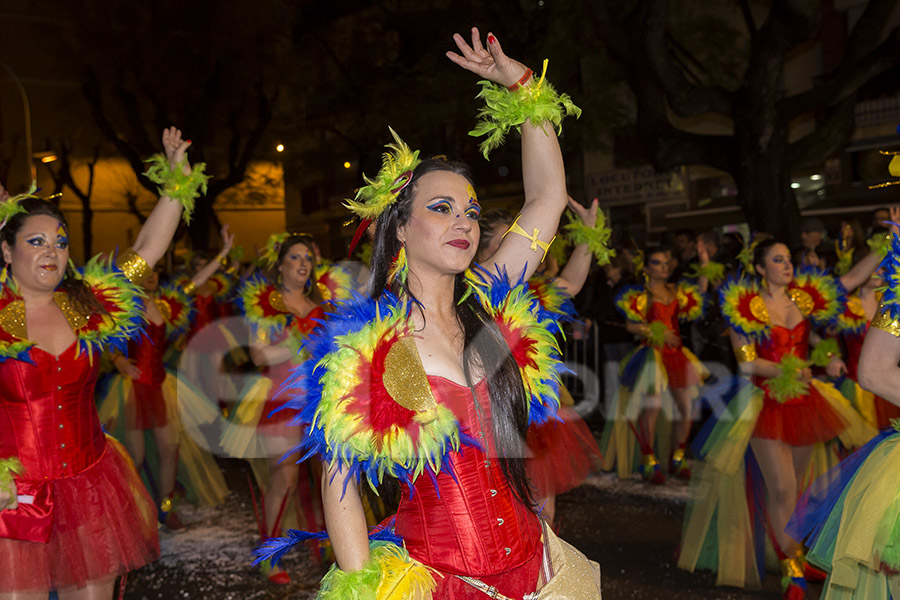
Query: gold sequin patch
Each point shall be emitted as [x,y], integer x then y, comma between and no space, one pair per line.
[405,379]
[641,304]
[854,305]
[277,301]
[75,317]
[262,337]
[133,266]
[12,319]
[882,321]
[758,309]
[746,353]
[803,301]
[165,309]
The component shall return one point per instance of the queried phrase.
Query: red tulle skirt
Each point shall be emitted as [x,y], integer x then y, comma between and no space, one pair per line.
[514,583]
[679,369]
[149,406]
[802,421]
[104,525]
[563,453]
[885,411]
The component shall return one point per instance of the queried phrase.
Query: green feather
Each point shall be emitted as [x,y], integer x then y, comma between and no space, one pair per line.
[824,350]
[788,385]
[880,243]
[175,184]
[596,237]
[506,109]
[9,467]
[713,271]
[656,334]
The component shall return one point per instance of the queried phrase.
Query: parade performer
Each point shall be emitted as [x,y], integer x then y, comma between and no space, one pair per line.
[756,452]
[73,512]
[658,373]
[148,397]
[563,450]
[851,327]
[434,378]
[850,518]
[281,310]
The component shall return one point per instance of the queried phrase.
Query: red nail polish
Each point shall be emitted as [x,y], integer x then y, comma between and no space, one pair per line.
[492,39]
[188,141]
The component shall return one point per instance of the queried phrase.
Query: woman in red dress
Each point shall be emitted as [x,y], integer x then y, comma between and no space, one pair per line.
[76,515]
[281,311]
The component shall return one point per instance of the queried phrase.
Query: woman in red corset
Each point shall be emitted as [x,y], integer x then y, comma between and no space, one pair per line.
[281,311]
[76,515]
[144,365]
[435,376]
[773,423]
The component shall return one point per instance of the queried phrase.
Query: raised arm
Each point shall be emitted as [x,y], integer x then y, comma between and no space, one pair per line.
[159,228]
[212,266]
[544,176]
[862,270]
[577,268]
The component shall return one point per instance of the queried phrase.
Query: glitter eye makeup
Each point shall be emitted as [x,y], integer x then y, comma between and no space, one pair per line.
[440,206]
[473,197]
[62,236]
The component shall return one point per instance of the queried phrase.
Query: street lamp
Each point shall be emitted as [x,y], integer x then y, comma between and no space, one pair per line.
[32,172]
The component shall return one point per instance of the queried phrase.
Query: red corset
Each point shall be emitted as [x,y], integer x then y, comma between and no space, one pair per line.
[147,351]
[784,341]
[665,313]
[48,421]
[476,526]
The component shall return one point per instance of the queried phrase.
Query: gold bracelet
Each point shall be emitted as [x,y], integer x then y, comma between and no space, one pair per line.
[746,353]
[189,288]
[133,266]
[535,242]
[884,322]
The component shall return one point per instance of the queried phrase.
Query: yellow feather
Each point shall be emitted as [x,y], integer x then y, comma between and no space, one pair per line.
[403,578]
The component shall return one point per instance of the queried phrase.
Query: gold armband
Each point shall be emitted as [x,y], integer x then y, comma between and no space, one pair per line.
[189,288]
[133,266]
[884,322]
[746,353]
[535,242]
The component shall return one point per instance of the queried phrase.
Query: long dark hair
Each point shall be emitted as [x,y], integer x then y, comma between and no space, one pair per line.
[484,347]
[488,222]
[762,251]
[76,288]
[292,240]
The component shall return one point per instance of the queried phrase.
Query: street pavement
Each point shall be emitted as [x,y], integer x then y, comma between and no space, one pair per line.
[630,528]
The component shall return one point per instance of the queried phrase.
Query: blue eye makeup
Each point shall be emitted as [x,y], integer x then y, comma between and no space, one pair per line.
[441,206]
[473,212]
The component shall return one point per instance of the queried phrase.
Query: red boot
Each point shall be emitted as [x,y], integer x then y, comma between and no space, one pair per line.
[651,471]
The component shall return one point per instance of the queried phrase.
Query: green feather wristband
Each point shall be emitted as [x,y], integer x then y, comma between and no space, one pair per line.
[824,350]
[880,243]
[506,109]
[175,184]
[788,385]
[713,271]
[656,334]
[9,467]
[596,237]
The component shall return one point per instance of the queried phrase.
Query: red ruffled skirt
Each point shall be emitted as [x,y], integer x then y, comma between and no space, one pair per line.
[104,525]
[149,406]
[680,370]
[801,421]
[563,453]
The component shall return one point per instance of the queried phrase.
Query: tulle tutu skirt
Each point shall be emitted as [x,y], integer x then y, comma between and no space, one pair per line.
[104,525]
[851,520]
[563,453]
[802,421]
[648,370]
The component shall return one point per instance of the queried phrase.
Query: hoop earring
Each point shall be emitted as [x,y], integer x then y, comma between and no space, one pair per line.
[400,267]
